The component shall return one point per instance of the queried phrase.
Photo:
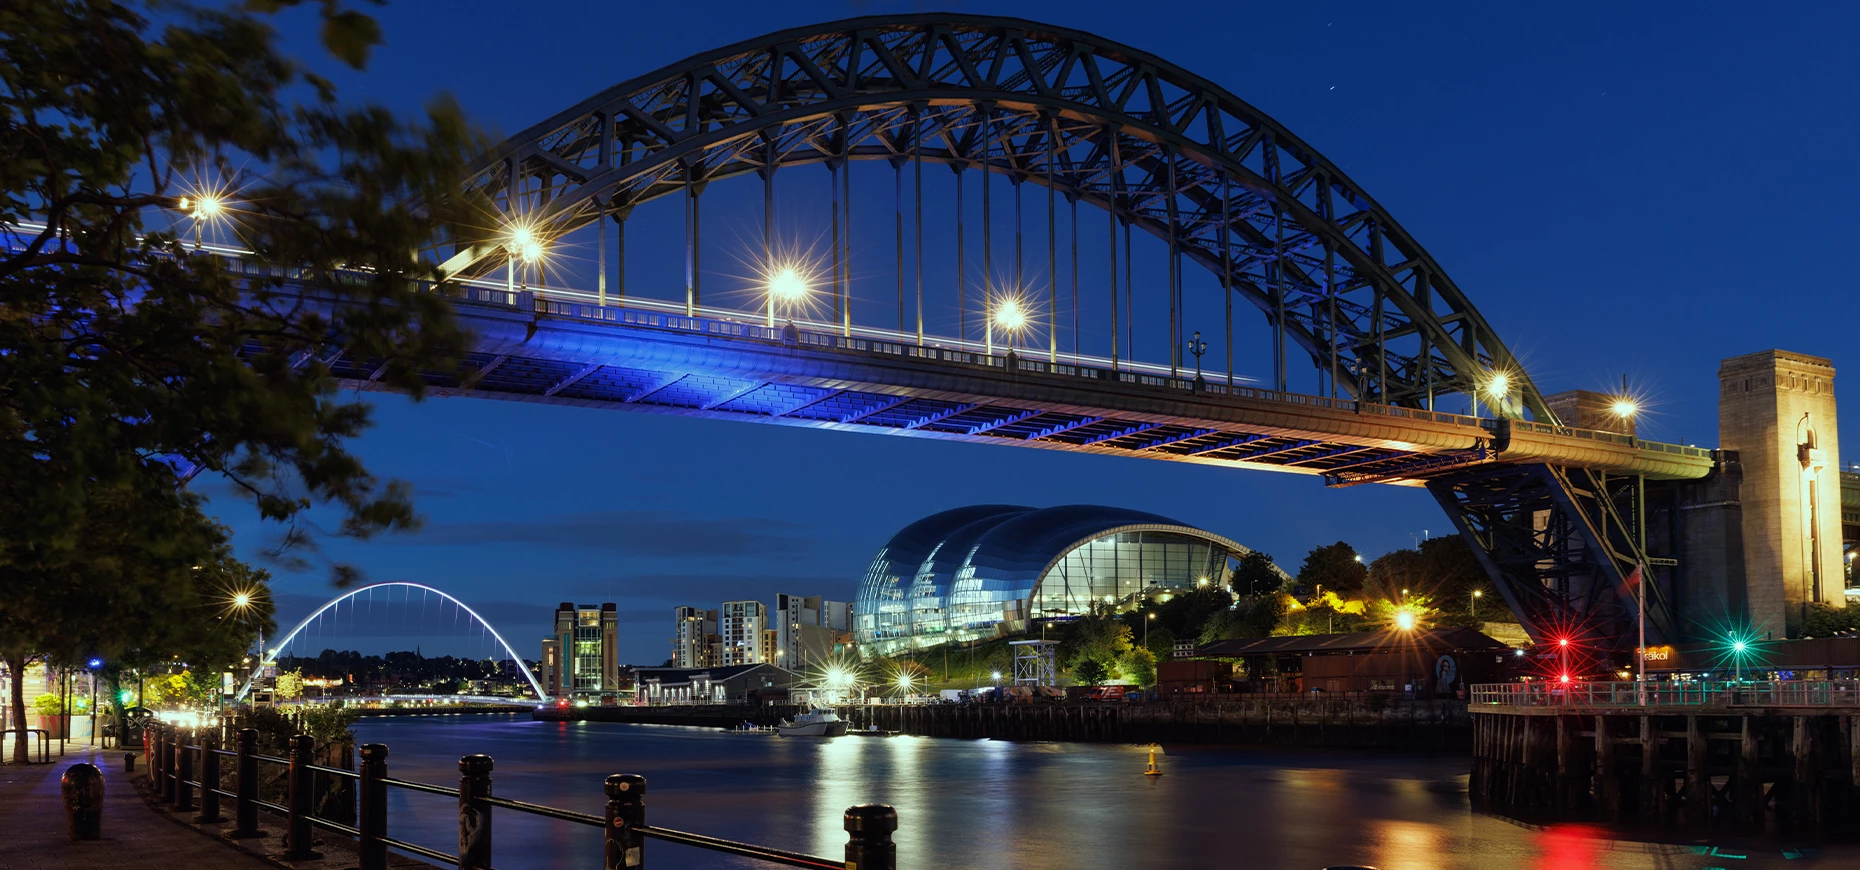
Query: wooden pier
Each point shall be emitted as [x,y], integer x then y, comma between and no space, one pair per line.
[1390,723]
[1746,757]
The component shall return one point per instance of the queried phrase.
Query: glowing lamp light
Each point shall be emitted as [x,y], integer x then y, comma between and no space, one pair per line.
[96,663]
[207,208]
[995,675]
[523,243]
[1563,679]
[904,681]
[1499,386]
[1010,316]
[1562,641]
[243,599]
[1625,407]
[787,285]
[1738,646]
[1404,620]
[1201,581]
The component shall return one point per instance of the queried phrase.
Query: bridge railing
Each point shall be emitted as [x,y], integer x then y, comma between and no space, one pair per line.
[184,762]
[565,302]
[1766,693]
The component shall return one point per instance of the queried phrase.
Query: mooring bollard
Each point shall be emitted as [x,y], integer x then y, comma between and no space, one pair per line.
[868,837]
[626,815]
[170,738]
[129,762]
[245,806]
[297,838]
[371,807]
[209,780]
[474,813]
[82,786]
[183,788]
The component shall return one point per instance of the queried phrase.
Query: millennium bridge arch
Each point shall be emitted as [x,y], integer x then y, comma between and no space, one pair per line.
[1161,149]
[283,641]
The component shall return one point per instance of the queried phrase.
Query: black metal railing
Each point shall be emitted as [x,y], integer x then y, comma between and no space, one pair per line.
[184,762]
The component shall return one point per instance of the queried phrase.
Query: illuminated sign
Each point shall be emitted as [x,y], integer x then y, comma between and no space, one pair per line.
[1662,656]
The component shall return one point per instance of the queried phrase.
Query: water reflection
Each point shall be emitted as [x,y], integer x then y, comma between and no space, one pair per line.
[995,804]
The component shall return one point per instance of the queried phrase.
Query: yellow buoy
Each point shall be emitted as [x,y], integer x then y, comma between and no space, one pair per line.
[1154,770]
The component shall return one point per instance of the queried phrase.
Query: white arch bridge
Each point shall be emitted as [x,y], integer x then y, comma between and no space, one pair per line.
[353,595]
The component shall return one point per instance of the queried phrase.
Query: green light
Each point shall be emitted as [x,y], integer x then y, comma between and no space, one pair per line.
[125,696]
[1738,646]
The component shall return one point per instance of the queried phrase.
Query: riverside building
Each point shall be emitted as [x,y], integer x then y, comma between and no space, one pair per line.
[989,570]
[581,658]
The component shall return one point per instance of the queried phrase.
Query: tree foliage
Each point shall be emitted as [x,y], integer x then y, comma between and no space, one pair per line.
[1335,567]
[290,684]
[1255,575]
[131,359]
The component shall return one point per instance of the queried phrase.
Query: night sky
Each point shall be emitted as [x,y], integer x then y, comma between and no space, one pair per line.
[1637,189]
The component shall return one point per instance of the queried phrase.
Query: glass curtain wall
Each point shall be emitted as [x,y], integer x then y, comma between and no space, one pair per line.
[1121,569]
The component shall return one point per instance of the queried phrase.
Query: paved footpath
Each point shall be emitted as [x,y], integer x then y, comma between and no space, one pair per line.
[135,835]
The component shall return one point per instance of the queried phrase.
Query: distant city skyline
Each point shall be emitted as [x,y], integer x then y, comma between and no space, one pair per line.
[1588,187]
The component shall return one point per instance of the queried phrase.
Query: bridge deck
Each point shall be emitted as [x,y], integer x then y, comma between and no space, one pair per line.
[545,347]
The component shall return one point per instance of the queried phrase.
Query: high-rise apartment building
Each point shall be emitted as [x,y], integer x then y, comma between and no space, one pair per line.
[694,637]
[805,629]
[740,625]
[581,659]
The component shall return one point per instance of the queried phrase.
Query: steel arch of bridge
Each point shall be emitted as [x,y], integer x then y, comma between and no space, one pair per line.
[292,634]
[1161,148]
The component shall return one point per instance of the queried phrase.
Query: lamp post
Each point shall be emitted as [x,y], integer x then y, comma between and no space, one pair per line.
[785,285]
[520,243]
[205,208]
[1476,595]
[1009,316]
[1197,347]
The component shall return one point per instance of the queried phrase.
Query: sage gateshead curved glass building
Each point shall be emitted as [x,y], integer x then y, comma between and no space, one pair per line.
[989,570]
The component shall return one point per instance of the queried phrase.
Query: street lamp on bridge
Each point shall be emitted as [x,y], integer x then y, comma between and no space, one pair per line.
[787,286]
[521,242]
[1010,316]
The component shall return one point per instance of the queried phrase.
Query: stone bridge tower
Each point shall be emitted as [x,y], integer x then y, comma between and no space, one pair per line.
[1776,409]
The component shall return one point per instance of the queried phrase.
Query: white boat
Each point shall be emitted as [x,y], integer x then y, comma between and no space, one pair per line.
[814,723]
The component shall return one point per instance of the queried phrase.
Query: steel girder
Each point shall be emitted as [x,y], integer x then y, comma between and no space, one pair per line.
[1561,545]
[1104,122]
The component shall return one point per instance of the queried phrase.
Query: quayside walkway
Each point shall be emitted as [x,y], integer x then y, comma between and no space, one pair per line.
[135,835]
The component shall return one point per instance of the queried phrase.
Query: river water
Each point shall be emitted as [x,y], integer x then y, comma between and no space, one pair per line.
[994,804]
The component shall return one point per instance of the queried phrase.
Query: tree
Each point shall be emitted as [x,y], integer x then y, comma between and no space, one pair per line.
[1089,671]
[290,684]
[1255,575]
[1335,567]
[130,360]
[1394,571]
[154,583]
[1262,616]
[1138,666]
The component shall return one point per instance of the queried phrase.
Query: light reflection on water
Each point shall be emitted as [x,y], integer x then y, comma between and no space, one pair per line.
[994,804]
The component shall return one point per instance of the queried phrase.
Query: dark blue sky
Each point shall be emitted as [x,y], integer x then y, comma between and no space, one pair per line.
[1621,188]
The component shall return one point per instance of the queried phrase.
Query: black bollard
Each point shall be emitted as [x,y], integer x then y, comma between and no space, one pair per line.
[82,786]
[298,845]
[183,788]
[245,805]
[474,813]
[129,762]
[170,738]
[372,807]
[868,837]
[626,815]
[209,780]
